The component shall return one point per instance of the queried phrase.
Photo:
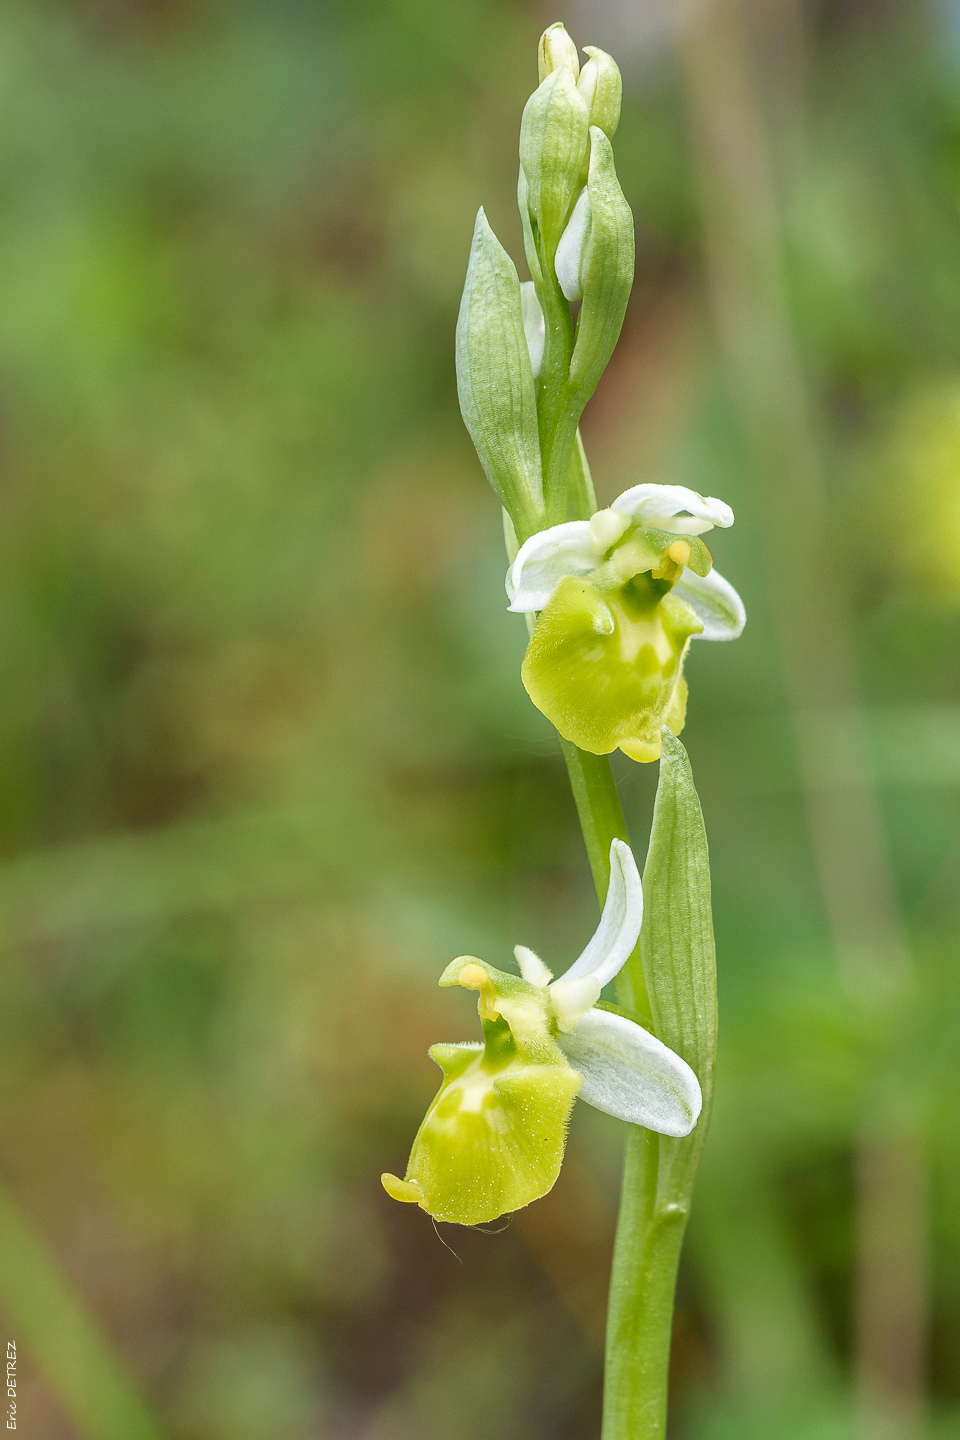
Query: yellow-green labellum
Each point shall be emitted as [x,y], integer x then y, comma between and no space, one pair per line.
[606,666]
[492,1141]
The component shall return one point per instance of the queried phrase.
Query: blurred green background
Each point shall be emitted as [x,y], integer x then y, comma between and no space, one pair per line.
[266,764]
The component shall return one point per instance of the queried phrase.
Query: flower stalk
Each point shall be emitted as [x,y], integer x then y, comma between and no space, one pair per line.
[613,599]
[669,983]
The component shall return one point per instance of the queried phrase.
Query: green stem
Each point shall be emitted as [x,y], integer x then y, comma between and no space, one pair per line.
[643,1282]
[582,496]
[657,1177]
[557,414]
[598,808]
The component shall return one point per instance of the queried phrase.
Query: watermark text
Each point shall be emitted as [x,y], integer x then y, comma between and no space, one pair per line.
[11,1385]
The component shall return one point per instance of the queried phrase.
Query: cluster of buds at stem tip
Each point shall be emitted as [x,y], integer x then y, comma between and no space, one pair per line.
[617,594]
[525,368]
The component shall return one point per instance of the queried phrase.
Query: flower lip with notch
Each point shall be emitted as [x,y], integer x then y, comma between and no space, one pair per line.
[493,1138]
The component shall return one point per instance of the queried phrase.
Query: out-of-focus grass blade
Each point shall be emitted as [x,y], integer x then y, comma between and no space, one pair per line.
[211,865]
[48,1322]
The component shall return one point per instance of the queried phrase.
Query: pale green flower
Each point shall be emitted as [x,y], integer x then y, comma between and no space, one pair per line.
[618,599]
[493,1138]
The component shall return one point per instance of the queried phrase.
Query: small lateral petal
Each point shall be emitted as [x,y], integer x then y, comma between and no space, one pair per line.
[619,928]
[715,603]
[606,528]
[600,85]
[532,967]
[629,1073]
[573,998]
[545,559]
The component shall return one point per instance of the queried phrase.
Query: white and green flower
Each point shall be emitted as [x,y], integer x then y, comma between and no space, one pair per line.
[618,599]
[493,1138]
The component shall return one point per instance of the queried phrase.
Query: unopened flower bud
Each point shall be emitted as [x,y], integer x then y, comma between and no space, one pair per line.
[601,87]
[557,52]
[554,152]
[601,241]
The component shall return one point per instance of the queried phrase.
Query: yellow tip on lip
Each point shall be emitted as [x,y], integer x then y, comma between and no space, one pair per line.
[408,1192]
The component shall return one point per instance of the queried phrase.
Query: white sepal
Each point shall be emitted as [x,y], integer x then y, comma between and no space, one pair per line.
[715,603]
[533,325]
[619,928]
[545,559]
[570,249]
[673,508]
[628,1073]
[532,967]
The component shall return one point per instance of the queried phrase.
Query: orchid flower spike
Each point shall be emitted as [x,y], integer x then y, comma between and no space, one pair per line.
[493,1138]
[618,599]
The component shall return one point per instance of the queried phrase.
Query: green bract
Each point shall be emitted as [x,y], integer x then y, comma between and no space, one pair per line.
[594,263]
[522,405]
[618,598]
[600,85]
[495,378]
[492,1140]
